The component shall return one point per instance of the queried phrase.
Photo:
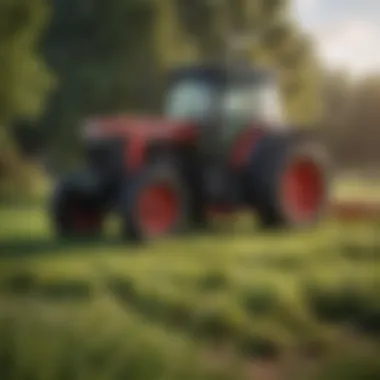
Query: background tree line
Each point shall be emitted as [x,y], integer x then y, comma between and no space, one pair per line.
[351,120]
[112,56]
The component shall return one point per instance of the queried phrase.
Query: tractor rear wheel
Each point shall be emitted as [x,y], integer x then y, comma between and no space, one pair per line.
[289,183]
[77,211]
[154,204]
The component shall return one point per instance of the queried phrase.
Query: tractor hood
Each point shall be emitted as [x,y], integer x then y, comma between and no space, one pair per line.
[139,127]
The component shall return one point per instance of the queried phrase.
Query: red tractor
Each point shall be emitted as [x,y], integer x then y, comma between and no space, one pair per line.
[221,145]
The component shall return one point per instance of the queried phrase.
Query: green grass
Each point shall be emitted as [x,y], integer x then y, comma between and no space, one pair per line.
[112,309]
[351,189]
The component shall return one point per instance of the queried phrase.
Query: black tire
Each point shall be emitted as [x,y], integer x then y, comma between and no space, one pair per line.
[164,174]
[77,208]
[198,218]
[265,180]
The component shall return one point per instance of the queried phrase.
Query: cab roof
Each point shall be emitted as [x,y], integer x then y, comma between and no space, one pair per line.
[221,74]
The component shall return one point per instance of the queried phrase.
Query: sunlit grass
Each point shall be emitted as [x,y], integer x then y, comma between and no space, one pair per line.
[264,295]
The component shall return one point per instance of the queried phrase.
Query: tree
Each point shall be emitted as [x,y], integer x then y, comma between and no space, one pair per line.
[24,77]
[24,80]
[361,128]
[351,117]
[111,56]
[104,56]
[273,39]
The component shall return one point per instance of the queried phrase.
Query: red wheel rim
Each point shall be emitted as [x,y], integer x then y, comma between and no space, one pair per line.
[158,209]
[303,190]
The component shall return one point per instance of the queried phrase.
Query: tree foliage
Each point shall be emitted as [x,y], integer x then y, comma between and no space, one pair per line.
[117,53]
[351,118]
[24,80]
[24,77]
[273,39]
[102,57]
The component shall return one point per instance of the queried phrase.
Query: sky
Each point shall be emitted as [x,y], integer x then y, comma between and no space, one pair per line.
[346,32]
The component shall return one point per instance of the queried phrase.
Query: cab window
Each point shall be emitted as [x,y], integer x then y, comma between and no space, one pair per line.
[190,99]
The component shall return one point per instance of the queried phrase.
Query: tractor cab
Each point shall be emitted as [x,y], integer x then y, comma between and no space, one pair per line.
[217,146]
[224,101]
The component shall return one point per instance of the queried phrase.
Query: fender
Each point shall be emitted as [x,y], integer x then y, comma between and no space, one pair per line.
[135,152]
[137,146]
[244,145]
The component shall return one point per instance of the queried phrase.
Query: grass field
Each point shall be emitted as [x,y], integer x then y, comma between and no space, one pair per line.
[235,303]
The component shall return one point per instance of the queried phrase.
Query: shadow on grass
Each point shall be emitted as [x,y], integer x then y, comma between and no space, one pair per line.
[12,248]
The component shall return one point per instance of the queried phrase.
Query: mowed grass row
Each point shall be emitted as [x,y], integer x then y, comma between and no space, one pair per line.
[99,340]
[260,295]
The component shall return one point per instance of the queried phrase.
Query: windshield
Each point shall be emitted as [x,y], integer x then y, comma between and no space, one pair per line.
[272,105]
[259,101]
[190,99]
[194,99]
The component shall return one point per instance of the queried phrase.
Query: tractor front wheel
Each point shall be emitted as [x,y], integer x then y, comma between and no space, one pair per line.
[154,204]
[77,210]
